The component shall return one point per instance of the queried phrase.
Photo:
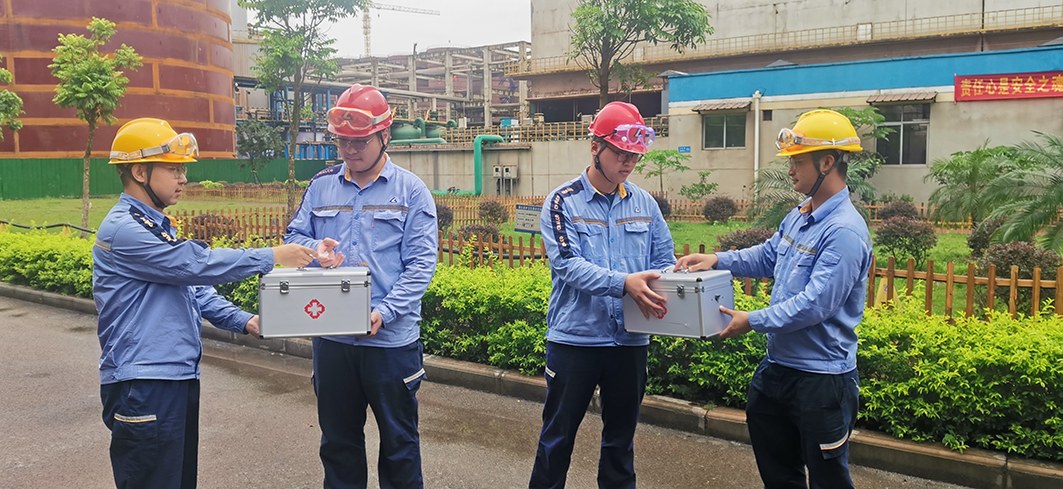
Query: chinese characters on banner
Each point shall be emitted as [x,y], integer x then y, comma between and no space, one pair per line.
[1009,86]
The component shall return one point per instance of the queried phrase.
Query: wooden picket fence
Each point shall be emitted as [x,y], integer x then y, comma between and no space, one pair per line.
[964,291]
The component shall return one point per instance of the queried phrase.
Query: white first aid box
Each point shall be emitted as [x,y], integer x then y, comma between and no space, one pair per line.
[693,305]
[314,302]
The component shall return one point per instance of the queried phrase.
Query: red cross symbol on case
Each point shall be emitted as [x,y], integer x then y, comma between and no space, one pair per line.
[314,309]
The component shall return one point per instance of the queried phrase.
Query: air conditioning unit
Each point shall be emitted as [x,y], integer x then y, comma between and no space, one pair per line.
[509,172]
[496,171]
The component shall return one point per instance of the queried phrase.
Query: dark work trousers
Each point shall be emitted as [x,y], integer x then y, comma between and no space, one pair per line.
[798,419]
[572,372]
[154,432]
[347,380]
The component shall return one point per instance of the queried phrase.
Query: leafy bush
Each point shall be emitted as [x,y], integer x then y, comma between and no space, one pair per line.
[990,384]
[744,238]
[444,216]
[665,205]
[898,208]
[483,231]
[903,237]
[719,209]
[48,261]
[518,345]
[703,188]
[982,235]
[492,212]
[1026,256]
[210,184]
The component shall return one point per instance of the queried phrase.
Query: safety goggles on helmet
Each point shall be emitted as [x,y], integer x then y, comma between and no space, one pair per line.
[788,139]
[356,119]
[183,144]
[633,134]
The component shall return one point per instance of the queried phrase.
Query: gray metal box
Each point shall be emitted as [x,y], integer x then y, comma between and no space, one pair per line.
[693,307]
[314,302]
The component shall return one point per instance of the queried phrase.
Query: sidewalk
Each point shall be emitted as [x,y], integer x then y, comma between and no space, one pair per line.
[974,468]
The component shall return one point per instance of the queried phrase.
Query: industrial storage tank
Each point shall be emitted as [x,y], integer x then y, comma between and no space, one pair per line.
[187,76]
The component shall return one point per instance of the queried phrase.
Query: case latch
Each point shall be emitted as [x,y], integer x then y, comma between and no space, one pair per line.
[345,285]
[680,290]
[284,286]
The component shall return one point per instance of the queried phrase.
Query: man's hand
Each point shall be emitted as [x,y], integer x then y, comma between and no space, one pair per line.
[327,255]
[739,323]
[696,262]
[293,255]
[637,285]
[251,327]
[376,321]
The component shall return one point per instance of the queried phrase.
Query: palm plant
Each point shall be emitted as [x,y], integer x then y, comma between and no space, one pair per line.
[962,180]
[1032,194]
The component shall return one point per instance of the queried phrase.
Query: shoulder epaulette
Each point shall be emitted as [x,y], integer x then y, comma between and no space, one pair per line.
[329,170]
[153,227]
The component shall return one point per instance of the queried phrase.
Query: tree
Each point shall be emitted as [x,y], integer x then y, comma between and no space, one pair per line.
[1032,194]
[295,51]
[659,162]
[10,105]
[606,32]
[773,192]
[258,141]
[699,190]
[92,83]
[963,179]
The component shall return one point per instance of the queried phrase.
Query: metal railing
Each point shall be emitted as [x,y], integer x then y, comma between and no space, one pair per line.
[552,131]
[999,20]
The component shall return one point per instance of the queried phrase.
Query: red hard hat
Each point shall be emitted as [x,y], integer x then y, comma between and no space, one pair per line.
[620,124]
[359,112]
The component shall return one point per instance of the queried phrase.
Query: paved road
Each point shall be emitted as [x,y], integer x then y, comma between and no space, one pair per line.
[259,428]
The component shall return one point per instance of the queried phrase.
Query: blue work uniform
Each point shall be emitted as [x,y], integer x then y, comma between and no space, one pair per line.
[594,241]
[390,227]
[804,396]
[152,291]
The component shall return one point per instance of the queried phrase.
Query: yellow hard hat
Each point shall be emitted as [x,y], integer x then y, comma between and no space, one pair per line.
[817,130]
[148,140]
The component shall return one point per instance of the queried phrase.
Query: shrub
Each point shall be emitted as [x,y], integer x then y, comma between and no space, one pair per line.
[982,235]
[898,208]
[483,231]
[744,238]
[518,345]
[56,262]
[665,206]
[210,184]
[719,209]
[492,212]
[1026,256]
[444,216]
[209,226]
[903,237]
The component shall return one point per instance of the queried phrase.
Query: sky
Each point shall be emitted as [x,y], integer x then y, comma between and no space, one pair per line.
[460,23]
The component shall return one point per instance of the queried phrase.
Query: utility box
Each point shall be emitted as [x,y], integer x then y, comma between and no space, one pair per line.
[692,307]
[496,171]
[314,302]
[509,172]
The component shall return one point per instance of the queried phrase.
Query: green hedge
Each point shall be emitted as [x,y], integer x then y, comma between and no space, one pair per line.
[968,383]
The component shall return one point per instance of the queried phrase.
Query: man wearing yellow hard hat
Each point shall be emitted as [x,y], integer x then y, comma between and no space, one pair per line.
[152,289]
[803,399]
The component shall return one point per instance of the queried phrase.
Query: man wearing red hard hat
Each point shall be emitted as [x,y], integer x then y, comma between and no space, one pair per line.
[369,212]
[600,232]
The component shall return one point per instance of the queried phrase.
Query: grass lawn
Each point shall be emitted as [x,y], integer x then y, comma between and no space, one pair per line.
[68,211]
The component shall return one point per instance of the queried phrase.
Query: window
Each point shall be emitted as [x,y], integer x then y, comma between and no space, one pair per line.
[723,130]
[907,144]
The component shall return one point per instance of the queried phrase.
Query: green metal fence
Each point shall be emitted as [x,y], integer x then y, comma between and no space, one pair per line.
[35,178]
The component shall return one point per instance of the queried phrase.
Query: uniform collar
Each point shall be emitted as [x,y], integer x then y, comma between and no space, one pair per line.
[144,208]
[621,190]
[387,172]
[824,210]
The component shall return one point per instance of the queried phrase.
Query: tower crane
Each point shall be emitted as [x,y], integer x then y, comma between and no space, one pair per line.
[366,23]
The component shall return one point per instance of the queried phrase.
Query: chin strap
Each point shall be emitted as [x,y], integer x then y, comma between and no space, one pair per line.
[147,188]
[819,180]
[598,166]
[379,156]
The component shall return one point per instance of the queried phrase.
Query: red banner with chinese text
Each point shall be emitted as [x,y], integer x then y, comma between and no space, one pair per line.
[1009,86]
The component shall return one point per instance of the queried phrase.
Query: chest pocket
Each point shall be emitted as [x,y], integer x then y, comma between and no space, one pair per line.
[329,222]
[590,241]
[795,266]
[637,239]
[388,227]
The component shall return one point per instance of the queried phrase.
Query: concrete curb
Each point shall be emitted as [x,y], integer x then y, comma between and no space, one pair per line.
[975,468]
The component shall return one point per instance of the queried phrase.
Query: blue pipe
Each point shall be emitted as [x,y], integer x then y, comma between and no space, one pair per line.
[477,158]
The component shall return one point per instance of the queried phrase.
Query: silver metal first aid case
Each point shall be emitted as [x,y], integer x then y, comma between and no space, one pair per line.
[314,302]
[693,305]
